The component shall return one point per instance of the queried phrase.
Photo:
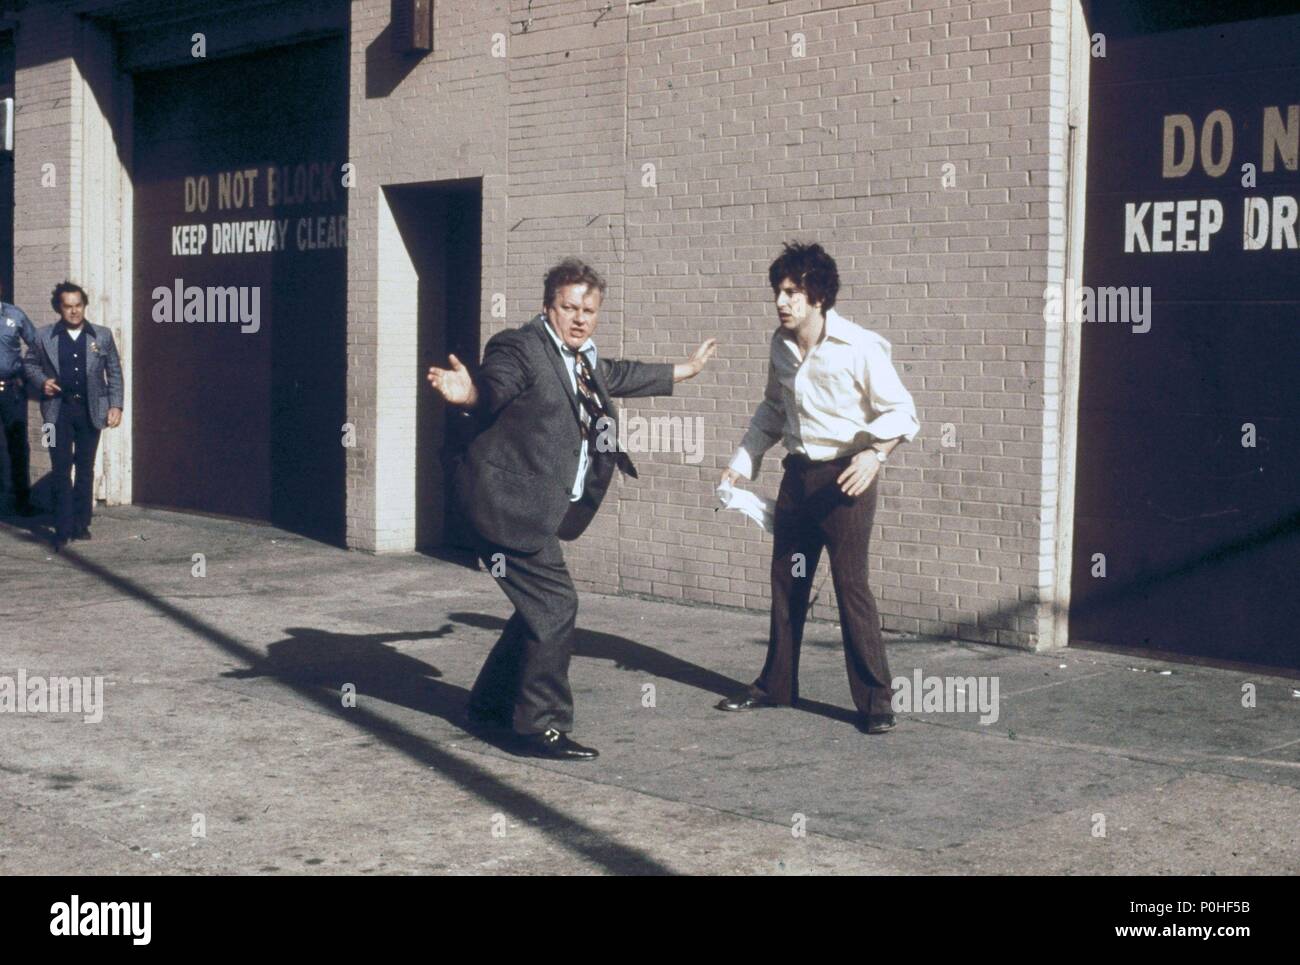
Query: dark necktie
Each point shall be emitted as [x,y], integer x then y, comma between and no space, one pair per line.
[590,408]
[596,418]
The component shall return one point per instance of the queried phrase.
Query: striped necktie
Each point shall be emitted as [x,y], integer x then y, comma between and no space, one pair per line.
[596,418]
[591,409]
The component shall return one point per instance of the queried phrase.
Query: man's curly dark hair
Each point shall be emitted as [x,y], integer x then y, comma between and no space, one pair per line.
[571,271]
[809,267]
[63,288]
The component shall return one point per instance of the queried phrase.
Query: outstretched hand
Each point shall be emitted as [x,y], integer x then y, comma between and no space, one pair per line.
[699,358]
[454,384]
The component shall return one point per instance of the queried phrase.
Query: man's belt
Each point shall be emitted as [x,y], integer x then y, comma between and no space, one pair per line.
[801,460]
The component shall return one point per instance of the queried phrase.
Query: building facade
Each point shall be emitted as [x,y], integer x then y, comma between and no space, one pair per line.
[364,195]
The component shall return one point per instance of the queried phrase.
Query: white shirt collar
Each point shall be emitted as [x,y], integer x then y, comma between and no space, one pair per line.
[838,327]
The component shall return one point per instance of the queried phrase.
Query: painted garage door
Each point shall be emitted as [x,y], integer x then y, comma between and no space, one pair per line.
[1188,488]
[240,269]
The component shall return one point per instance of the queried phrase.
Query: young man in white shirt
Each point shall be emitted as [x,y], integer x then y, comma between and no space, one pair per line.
[835,402]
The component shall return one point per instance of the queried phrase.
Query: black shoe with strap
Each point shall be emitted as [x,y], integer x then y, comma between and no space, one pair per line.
[554,745]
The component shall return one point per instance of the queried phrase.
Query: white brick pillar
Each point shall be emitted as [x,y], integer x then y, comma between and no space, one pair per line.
[101,193]
[72,192]
[396,389]
[1068,141]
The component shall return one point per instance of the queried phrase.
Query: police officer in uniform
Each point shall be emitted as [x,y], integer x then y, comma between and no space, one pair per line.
[15,479]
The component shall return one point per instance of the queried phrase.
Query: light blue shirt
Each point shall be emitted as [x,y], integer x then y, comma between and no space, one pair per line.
[15,329]
[570,362]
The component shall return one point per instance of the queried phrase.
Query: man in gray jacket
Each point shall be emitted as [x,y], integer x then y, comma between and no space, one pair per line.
[79,375]
[535,474]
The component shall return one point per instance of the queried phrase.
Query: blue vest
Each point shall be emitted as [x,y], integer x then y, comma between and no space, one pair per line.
[72,362]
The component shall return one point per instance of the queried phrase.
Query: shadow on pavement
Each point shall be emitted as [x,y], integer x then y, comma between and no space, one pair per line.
[566,831]
[627,654]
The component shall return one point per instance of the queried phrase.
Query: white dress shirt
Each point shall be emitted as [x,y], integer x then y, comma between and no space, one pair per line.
[836,402]
[570,362]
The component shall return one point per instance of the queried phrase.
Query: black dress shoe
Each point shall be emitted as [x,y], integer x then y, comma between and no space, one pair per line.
[83,533]
[555,745]
[878,723]
[58,543]
[746,701]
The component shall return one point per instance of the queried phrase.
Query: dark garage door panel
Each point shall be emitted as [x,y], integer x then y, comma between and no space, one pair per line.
[245,424]
[1199,533]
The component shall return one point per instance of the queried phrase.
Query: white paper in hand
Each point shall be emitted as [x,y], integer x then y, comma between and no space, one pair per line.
[752,505]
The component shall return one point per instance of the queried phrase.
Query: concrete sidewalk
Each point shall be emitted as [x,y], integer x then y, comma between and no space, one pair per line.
[222,699]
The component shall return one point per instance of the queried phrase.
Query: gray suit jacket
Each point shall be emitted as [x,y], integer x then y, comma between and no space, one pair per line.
[514,479]
[103,372]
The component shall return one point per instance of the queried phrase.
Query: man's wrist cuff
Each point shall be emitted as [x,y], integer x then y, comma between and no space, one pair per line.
[743,464]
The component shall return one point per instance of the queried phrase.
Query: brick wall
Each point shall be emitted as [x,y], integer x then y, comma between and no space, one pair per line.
[47,224]
[676,145]
[441,117]
[765,121]
[847,145]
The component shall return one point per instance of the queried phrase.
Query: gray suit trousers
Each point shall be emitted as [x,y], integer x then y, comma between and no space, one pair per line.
[525,680]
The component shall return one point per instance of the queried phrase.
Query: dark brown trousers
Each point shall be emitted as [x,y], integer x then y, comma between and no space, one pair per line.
[813,513]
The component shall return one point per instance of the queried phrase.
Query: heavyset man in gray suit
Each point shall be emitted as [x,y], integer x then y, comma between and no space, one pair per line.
[535,474]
